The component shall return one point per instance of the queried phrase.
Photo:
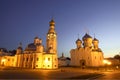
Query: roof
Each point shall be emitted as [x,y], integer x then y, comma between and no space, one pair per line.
[78,40]
[31,47]
[20,47]
[86,36]
[95,39]
[36,37]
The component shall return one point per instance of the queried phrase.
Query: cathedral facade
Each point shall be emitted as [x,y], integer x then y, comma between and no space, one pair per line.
[87,53]
[35,54]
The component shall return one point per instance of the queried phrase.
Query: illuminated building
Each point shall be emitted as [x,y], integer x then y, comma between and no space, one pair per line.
[87,53]
[35,54]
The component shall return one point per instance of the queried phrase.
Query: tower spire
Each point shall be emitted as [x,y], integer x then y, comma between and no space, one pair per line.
[52,23]
[94,35]
[62,54]
[20,44]
[86,30]
[78,35]
[51,41]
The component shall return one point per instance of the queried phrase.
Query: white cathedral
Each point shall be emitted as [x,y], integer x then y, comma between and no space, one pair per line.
[35,54]
[87,52]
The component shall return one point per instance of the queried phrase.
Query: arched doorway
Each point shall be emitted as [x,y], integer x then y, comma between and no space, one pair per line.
[82,63]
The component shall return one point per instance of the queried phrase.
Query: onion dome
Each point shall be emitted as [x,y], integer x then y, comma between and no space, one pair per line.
[86,36]
[95,39]
[36,37]
[31,47]
[78,40]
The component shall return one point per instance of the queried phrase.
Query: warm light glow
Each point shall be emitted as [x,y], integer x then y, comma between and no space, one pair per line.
[46,61]
[107,62]
[3,60]
[104,61]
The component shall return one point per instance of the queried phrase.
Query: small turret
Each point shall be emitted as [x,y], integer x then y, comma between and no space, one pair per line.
[95,43]
[52,23]
[78,43]
[19,49]
[36,41]
[39,46]
[52,27]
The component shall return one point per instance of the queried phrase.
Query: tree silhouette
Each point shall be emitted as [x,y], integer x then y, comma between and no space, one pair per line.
[117,56]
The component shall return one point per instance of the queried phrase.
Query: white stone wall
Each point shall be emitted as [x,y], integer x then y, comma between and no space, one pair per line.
[92,58]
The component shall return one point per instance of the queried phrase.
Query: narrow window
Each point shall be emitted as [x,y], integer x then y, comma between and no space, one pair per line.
[31,59]
[36,65]
[48,65]
[27,59]
[95,57]
[37,59]
[48,59]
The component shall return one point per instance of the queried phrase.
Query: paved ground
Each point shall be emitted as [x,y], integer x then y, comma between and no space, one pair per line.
[63,73]
[115,75]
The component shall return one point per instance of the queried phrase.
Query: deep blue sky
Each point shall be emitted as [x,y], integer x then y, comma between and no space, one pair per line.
[22,20]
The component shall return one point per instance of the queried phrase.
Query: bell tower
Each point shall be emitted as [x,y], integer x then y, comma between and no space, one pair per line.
[51,40]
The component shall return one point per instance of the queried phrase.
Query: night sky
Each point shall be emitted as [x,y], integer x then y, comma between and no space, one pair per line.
[22,20]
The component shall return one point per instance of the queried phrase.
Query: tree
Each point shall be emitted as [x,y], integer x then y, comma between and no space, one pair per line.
[117,56]
[13,52]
